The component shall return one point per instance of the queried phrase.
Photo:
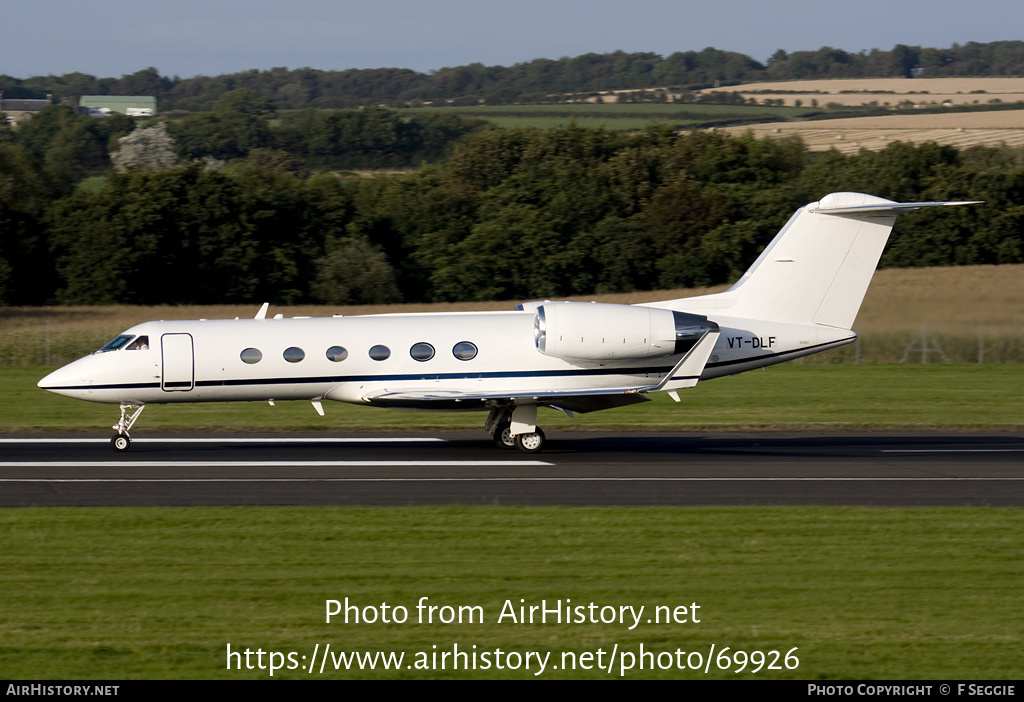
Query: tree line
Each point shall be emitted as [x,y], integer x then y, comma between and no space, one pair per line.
[506,214]
[244,124]
[531,81]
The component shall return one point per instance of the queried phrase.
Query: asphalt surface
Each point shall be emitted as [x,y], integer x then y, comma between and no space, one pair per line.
[577,468]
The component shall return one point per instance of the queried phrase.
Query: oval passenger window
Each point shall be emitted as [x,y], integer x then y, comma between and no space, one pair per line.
[422,351]
[251,356]
[464,350]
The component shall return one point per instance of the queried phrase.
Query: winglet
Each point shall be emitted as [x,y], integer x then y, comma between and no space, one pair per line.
[262,314]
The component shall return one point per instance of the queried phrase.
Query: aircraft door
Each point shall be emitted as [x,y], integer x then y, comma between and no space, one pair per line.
[178,362]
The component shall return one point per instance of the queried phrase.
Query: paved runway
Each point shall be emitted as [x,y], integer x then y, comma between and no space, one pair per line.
[577,468]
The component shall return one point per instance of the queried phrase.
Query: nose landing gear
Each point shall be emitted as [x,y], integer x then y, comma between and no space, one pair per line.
[121,441]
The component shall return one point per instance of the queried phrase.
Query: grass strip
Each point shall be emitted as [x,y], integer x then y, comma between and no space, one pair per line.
[130,593]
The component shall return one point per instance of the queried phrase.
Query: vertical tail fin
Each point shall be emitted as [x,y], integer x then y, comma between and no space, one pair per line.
[818,267]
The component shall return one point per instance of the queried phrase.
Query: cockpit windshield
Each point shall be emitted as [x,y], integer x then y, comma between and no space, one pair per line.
[124,341]
[117,343]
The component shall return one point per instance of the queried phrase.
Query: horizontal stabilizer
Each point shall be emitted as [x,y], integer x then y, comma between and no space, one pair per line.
[836,204]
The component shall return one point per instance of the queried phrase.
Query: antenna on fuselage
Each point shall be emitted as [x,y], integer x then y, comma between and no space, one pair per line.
[262,314]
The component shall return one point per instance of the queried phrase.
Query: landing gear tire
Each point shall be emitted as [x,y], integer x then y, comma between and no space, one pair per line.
[530,443]
[503,436]
[129,414]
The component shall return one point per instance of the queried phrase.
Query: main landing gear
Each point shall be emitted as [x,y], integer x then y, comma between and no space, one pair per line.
[503,423]
[129,413]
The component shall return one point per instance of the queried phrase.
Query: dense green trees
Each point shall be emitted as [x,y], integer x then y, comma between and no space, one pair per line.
[25,191]
[186,234]
[70,146]
[511,214]
[371,138]
[242,125]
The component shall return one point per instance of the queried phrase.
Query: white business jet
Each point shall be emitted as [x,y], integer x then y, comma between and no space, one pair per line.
[798,298]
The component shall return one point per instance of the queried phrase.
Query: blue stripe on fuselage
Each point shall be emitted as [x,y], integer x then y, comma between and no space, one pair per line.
[384,378]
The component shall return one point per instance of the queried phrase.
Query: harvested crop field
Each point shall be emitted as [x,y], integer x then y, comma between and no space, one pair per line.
[883,91]
[850,135]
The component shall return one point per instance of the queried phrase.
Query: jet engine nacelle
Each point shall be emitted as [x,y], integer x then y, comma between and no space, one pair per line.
[591,331]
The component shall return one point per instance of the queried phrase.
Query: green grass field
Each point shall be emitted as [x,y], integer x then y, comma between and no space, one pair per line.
[858,593]
[620,115]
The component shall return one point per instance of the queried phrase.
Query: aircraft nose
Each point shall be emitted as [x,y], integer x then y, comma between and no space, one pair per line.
[50,381]
[64,381]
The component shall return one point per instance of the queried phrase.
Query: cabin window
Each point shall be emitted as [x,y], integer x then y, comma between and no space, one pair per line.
[251,356]
[337,353]
[380,353]
[140,344]
[422,351]
[465,350]
[117,343]
[294,354]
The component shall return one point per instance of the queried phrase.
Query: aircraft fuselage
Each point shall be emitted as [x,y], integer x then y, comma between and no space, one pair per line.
[355,359]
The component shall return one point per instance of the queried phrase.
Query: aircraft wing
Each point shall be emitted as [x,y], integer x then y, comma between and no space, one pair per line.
[586,400]
[686,373]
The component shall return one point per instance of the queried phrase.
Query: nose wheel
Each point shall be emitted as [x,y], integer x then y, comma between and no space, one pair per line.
[129,414]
